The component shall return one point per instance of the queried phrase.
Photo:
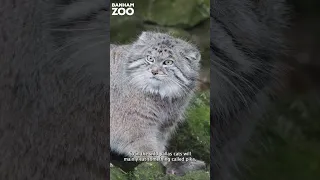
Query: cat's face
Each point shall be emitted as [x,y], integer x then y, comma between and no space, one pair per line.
[161,64]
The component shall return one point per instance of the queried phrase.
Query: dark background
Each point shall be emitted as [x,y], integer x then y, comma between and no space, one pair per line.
[287,144]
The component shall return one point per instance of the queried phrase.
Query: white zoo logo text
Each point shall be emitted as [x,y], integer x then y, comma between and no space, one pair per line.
[122,9]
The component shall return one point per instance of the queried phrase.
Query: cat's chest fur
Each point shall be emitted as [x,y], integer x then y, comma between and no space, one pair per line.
[159,110]
[169,110]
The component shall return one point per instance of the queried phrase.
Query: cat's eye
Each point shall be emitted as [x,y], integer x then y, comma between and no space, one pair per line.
[168,62]
[150,59]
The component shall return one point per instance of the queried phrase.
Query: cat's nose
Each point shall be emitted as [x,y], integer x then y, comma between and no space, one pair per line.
[155,71]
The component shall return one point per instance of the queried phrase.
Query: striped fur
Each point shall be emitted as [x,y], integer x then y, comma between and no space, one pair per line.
[246,43]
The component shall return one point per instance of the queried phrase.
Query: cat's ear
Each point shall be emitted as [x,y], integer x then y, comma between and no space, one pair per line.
[143,39]
[146,36]
[191,54]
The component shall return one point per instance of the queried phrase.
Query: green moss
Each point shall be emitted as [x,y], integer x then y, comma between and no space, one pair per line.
[117,174]
[148,171]
[194,135]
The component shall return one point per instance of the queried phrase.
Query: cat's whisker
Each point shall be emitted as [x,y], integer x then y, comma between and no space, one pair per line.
[179,86]
[183,87]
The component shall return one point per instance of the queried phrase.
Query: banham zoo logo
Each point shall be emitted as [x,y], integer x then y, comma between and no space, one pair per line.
[122,9]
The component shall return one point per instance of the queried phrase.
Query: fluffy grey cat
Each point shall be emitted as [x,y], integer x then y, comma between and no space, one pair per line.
[246,43]
[152,81]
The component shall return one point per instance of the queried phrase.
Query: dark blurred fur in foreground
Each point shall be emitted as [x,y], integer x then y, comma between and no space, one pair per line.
[54,89]
[246,43]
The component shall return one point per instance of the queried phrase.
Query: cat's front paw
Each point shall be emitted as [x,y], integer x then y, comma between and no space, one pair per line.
[181,168]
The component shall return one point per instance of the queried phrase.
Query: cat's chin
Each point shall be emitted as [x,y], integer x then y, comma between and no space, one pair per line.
[159,87]
[155,82]
[164,91]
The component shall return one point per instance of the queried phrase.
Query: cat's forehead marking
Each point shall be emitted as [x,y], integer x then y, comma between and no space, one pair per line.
[164,46]
[163,52]
[163,49]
